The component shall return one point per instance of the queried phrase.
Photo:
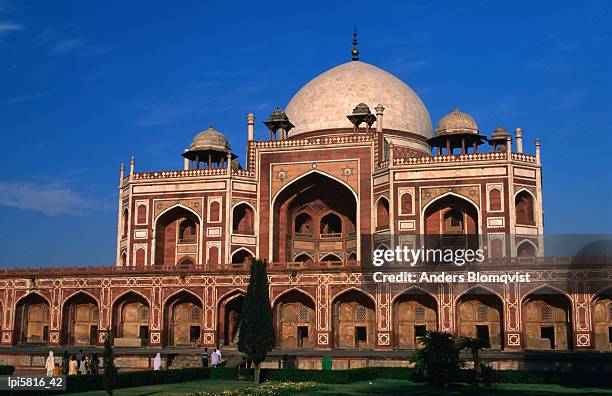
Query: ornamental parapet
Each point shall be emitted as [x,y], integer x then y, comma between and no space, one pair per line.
[315,141]
[462,158]
[504,263]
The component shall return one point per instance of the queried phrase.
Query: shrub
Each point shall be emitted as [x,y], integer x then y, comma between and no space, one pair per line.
[488,375]
[7,370]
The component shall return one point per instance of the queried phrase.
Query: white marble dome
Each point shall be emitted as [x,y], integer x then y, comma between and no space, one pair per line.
[326,100]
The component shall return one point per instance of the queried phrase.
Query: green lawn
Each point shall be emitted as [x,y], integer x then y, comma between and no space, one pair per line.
[378,387]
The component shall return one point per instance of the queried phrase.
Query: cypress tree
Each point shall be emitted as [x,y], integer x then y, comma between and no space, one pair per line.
[256,336]
[110,371]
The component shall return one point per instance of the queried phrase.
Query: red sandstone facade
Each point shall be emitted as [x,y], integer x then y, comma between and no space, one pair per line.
[315,206]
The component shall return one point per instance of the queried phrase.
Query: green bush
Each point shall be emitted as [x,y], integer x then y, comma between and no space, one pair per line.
[6,370]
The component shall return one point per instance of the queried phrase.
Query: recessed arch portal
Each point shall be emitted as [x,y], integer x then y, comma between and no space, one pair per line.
[353,320]
[131,315]
[451,222]
[295,319]
[602,320]
[414,312]
[228,319]
[32,319]
[176,229]
[313,210]
[80,316]
[182,319]
[480,315]
[547,319]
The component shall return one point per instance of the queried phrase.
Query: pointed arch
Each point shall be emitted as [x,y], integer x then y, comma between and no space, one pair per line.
[526,247]
[294,318]
[547,318]
[538,291]
[182,291]
[480,314]
[32,318]
[382,213]
[229,312]
[451,193]
[329,256]
[294,290]
[353,319]
[320,173]
[239,253]
[80,316]
[178,205]
[471,291]
[414,312]
[183,318]
[243,218]
[314,192]
[33,293]
[303,254]
[418,290]
[525,207]
[131,319]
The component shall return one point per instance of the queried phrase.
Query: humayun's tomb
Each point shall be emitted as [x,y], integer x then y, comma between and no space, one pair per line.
[351,164]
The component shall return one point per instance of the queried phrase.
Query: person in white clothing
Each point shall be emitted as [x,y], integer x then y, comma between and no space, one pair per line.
[214,358]
[50,364]
[157,363]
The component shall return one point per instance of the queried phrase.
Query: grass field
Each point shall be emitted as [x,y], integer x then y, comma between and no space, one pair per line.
[373,388]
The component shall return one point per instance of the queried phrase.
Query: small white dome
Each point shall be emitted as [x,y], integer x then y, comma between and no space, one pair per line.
[326,100]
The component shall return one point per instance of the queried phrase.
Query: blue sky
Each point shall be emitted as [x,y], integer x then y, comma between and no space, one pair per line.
[85,85]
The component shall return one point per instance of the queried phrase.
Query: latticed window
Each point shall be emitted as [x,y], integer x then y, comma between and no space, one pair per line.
[610,311]
[195,313]
[46,314]
[419,312]
[143,314]
[360,314]
[303,314]
[482,313]
[95,314]
[546,313]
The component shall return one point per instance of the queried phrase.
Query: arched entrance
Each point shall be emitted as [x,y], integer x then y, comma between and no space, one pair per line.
[547,320]
[131,314]
[354,320]
[31,320]
[602,320]
[176,234]
[230,312]
[415,312]
[294,317]
[451,222]
[80,317]
[183,319]
[479,315]
[316,214]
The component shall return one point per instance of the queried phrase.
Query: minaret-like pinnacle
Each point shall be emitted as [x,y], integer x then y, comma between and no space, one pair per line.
[355,51]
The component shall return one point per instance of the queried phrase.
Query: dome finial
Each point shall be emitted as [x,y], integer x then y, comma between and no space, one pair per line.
[355,51]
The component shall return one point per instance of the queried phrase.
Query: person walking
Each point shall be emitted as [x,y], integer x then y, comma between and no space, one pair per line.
[82,367]
[65,362]
[205,358]
[219,357]
[73,367]
[50,364]
[157,362]
[57,370]
[95,364]
[214,358]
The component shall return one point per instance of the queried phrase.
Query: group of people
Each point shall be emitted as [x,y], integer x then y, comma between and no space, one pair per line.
[215,358]
[78,364]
